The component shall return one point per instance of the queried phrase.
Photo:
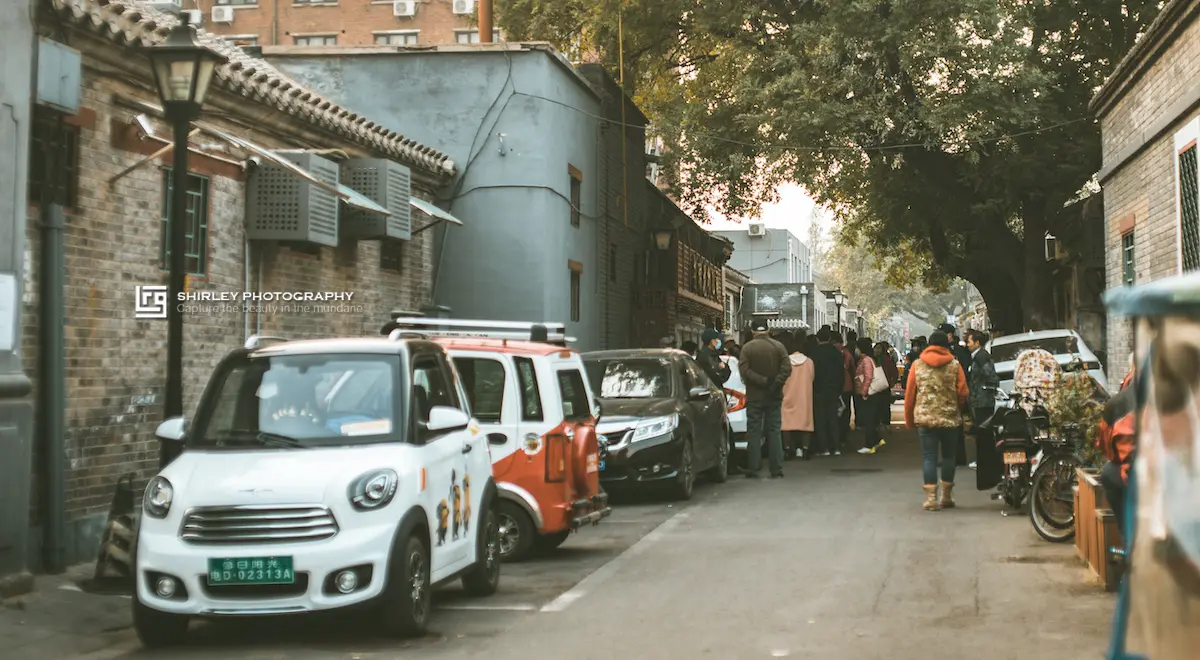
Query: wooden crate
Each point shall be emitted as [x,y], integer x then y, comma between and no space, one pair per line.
[1109,536]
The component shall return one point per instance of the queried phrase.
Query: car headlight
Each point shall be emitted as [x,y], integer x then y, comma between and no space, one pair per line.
[373,490]
[158,497]
[655,426]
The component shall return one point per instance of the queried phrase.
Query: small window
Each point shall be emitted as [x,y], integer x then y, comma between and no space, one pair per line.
[196,229]
[391,255]
[575,295]
[317,40]
[1189,209]
[472,36]
[407,38]
[239,3]
[612,262]
[1127,243]
[575,402]
[54,144]
[244,40]
[531,396]
[576,195]
[431,388]
[483,380]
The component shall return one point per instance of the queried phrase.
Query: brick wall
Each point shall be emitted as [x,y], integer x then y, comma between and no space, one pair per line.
[1142,194]
[115,364]
[354,22]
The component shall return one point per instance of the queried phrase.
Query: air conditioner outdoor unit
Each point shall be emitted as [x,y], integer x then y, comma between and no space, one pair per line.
[222,14]
[757,229]
[464,6]
[404,8]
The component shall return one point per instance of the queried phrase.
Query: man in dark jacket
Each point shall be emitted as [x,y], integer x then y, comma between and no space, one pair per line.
[829,375]
[764,367]
[982,401]
[848,368]
[963,355]
[708,356]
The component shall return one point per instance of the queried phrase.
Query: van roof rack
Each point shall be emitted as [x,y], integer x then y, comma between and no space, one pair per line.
[259,341]
[412,326]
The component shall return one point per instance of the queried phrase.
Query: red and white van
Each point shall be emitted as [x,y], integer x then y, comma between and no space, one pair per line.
[530,395]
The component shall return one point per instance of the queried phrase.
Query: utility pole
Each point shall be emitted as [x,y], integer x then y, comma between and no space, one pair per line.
[485,21]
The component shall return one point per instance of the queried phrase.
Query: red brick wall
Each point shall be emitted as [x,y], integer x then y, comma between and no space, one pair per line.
[353,21]
[115,363]
[1143,194]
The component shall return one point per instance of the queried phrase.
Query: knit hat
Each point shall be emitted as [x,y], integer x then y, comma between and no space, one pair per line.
[759,325]
[708,335]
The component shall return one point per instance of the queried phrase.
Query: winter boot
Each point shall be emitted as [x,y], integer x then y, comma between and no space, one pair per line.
[931,498]
[947,502]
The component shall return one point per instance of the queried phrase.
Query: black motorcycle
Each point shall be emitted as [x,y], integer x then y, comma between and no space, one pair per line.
[1017,434]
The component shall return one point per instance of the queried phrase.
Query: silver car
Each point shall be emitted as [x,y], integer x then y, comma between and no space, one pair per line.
[1064,345]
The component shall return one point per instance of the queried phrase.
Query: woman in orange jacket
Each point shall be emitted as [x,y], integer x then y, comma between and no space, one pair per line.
[933,404]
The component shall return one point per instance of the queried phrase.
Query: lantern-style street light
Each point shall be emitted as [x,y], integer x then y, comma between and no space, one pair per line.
[183,71]
[839,299]
[662,238]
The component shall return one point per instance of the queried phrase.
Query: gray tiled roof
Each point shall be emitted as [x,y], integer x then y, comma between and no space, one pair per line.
[133,24]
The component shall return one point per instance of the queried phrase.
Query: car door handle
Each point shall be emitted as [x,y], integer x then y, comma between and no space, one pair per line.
[467,448]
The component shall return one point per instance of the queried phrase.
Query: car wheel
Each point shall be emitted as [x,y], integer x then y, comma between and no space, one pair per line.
[516,532]
[720,473]
[484,577]
[550,542]
[408,595]
[158,629]
[685,482]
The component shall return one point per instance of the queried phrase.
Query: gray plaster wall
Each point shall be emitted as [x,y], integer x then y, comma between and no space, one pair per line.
[779,257]
[17,52]
[513,122]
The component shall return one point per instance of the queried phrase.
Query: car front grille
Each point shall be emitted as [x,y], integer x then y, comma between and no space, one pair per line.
[258,524]
[613,439]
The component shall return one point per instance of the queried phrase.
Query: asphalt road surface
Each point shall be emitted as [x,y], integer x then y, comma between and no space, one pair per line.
[835,561]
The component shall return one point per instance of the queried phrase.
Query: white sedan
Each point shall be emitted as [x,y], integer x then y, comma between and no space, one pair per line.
[1064,345]
[735,398]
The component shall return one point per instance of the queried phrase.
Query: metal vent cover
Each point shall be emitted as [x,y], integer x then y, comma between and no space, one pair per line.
[285,207]
[389,185]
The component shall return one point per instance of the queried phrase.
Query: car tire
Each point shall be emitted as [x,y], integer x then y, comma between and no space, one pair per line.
[157,629]
[407,596]
[516,532]
[685,483]
[720,472]
[484,577]
[546,543]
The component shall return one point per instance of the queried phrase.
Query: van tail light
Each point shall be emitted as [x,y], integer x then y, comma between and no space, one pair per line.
[556,457]
[734,400]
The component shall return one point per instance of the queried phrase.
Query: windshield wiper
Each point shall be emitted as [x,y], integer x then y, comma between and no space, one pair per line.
[267,439]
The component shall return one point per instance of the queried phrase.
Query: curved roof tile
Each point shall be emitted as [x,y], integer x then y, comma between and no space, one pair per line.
[130,23]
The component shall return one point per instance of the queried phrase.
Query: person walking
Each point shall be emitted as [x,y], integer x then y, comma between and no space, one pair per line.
[798,402]
[865,400]
[885,356]
[828,379]
[764,367]
[847,396]
[933,403]
[981,382]
[708,357]
[918,345]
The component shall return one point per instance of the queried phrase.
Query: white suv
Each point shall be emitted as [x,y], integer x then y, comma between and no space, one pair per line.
[319,475]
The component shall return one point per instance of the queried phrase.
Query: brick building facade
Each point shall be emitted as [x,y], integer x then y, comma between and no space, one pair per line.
[115,237]
[1149,112]
[341,22]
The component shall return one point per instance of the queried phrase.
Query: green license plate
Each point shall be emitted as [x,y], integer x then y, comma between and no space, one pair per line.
[251,570]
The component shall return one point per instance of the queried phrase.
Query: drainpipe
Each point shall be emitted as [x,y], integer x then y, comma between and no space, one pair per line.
[52,381]
[274,22]
[246,287]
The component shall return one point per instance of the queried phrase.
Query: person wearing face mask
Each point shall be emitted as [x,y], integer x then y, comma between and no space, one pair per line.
[708,356]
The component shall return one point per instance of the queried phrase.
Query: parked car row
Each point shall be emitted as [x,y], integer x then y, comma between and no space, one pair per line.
[325,474]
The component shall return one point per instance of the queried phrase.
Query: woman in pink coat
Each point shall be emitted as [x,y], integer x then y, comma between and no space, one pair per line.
[798,401]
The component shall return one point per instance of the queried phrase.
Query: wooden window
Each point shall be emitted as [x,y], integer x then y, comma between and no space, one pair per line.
[53,159]
[576,194]
[576,269]
[1127,257]
[196,227]
[400,38]
[1189,209]
[317,40]
[472,36]
[391,255]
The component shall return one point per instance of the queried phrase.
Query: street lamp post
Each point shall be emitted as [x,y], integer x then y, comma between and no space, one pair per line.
[839,299]
[183,70]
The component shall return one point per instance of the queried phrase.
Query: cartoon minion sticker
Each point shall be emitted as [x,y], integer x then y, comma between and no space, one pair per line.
[458,512]
[443,514]
[466,490]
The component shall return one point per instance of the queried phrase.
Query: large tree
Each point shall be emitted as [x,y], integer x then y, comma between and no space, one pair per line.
[947,134]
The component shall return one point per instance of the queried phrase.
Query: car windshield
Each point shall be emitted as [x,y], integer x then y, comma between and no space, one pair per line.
[1064,345]
[630,378]
[302,401]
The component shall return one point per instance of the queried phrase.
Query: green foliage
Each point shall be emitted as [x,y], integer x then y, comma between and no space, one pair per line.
[1077,401]
[950,129]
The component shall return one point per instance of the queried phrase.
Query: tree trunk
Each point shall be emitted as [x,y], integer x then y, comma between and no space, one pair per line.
[1004,307]
[1037,290]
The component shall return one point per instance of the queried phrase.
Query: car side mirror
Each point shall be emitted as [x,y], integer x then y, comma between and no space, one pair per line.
[698,393]
[445,418]
[172,430]
[497,439]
